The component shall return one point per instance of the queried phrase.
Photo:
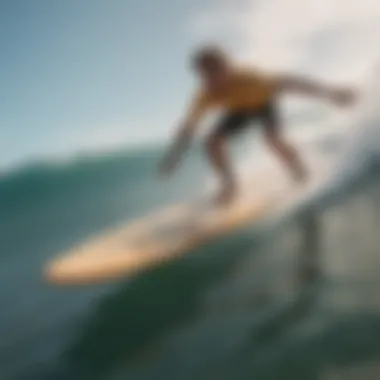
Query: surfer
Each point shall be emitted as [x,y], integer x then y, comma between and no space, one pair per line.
[244,95]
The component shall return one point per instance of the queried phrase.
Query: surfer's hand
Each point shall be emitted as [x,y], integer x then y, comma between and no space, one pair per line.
[171,160]
[343,97]
[165,169]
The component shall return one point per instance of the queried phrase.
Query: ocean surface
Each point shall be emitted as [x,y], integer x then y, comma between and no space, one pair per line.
[293,298]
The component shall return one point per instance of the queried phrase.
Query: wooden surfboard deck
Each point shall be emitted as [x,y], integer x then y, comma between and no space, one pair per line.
[168,233]
[174,230]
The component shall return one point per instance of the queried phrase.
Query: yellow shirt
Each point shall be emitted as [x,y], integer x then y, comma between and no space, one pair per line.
[246,90]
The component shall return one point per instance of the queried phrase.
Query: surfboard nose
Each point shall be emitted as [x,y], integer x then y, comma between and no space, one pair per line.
[67,272]
[80,270]
[57,273]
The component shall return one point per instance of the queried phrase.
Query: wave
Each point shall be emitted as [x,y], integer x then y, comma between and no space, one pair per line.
[296,298]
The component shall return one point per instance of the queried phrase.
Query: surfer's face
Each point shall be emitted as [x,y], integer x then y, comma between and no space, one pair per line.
[213,74]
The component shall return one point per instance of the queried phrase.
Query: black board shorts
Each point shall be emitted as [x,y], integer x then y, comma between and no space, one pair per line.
[237,121]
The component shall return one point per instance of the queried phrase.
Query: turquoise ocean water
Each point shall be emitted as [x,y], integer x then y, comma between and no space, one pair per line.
[297,299]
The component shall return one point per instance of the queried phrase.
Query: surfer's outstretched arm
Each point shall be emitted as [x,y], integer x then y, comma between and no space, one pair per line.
[177,149]
[198,107]
[305,86]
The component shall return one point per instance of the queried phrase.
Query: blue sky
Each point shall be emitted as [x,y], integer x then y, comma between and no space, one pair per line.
[81,73]
[89,74]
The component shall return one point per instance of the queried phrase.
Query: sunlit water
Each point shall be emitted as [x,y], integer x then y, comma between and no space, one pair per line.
[294,298]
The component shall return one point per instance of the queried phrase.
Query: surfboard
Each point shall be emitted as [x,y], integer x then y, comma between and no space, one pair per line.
[168,233]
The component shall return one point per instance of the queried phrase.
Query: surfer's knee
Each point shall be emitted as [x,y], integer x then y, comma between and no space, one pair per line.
[281,146]
[214,142]
[271,137]
[275,141]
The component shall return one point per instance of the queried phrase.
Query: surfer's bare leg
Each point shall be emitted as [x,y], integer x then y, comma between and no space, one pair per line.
[216,148]
[288,154]
[285,151]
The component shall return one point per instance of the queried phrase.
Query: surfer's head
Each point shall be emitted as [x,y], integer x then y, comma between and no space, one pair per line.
[212,64]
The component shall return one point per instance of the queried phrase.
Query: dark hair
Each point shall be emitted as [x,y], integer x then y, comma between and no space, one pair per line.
[208,56]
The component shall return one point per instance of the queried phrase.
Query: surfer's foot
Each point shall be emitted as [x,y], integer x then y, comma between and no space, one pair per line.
[300,175]
[226,195]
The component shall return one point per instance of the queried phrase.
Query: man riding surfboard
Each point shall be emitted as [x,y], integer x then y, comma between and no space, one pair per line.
[244,95]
